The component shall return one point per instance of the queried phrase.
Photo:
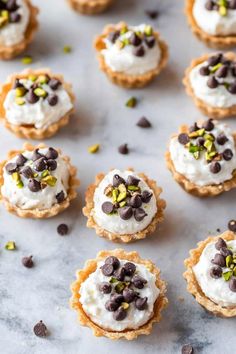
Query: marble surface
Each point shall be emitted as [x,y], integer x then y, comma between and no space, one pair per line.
[29,295]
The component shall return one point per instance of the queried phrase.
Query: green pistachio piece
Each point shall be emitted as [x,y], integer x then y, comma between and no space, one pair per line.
[50,180]
[35,175]
[209,137]
[67,49]
[27,60]
[193,148]
[115,194]
[15,176]
[93,148]
[208,145]
[119,287]
[113,280]
[108,191]
[234,272]
[121,197]
[123,30]
[45,173]
[227,275]
[5,14]
[148,30]
[40,92]
[196,155]
[122,188]
[32,78]
[125,41]
[120,44]
[20,101]
[20,91]
[216,67]
[125,305]
[229,260]
[133,188]
[43,79]
[223,10]
[122,204]
[132,102]
[20,184]
[10,246]
[3,22]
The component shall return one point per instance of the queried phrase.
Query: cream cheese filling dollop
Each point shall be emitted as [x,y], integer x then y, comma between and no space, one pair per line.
[114,223]
[93,300]
[215,289]
[198,170]
[45,198]
[212,22]
[14,33]
[123,59]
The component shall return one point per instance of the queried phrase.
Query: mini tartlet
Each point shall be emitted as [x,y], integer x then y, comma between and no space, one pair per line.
[34,104]
[119,295]
[37,182]
[90,7]
[18,24]
[213,21]
[211,274]
[202,158]
[124,206]
[131,56]
[211,82]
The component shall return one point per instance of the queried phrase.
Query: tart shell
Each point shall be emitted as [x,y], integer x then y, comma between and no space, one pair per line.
[122,79]
[190,187]
[192,284]
[90,267]
[217,42]
[91,7]
[37,213]
[9,52]
[210,111]
[29,131]
[125,238]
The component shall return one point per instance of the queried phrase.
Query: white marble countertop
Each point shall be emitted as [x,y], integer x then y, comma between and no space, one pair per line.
[29,295]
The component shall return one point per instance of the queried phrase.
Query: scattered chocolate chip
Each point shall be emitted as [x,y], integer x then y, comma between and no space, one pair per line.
[215,167]
[111,306]
[152,14]
[36,155]
[27,172]
[15,17]
[21,160]
[212,82]
[200,141]
[204,71]
[220,243]
[193,128]
[54,84]
[60,197]
[232,225]
[11,5]
[143,122]
[118,298]
[17,83]
[114,261]
[141,303]
[139,51]
[232,88]
[11,167]
[51,165]
[113,36]
[107,270]
[120,314]
[125,213]
[51,154]
[135,40]
[232,284]
[187,349]
[227,155]
[119,274]
[105,288]
[34,185]
[117,180]
[130,269]
[40,164]
[132,180]
[52,99]
[135,201]
[226,252]
[40,330]
[232,4]
[183,138]
[150,41]
[138,281]
[27,262]
[139,214]
[219,260]
[222,71]
[146,196]
[123,149]
[216,272]
[107,207]
[208,125]
[215,59]
[221,139]
[31,97]
[62,229]
[129,295]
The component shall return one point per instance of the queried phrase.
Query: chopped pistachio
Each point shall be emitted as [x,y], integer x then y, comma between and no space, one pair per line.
[108,190]
[234,272]
[20,91]
[35,175]
[113,280]
[5,14]
[67,49]
[15,176]
[125,41]
[227,275]
[94,148]
[120,44]
[229,260]
[32,77]
[20,184]
[148,30]
[132,102]
[133,188]
[40,92]
[196,155]
[216,67]
[209,137]
[223,10]
[125,305]
[3,22]
[10,246]
[115,194]
[119,287]
[43,79]
[27,60]
[45,173]
[122,204]
[123,30]
[50,180]
[20,101]
[121,197]
[122,188]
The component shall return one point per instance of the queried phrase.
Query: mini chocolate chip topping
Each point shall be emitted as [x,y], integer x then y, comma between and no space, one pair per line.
[40,164]
[215,167]
[40,329]
[52,99]
[232,225]
[120,274]
[60,197]
[117,180]
[141,303]
[221,139]
[107,207]
[227,155]
[204,71]
[11,167]
[120,314]
[135,40]
[139,51]
[28,262]
[132,180]
[114,261]
[62,229]
[36,155]
[34,186]
[123,149]
[208,125]
[125,213]
[139,282]
[31,97]
[220,244]
[226,252]
[183,138]
[143,122]
[105,288]
[187,349]
[139,214]
[54,84]
[111,306]
[9,12]
[216,272]
[113,36]
[232,284]
[146,196]
[212,82]
[21,160]
[136,201]
[51,154]
[221,7]
[27,172]
[129,295]
[51,165]
[107,270]
[152,14]
[219,260]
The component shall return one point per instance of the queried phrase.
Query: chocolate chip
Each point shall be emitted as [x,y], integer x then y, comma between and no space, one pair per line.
[222,71]
[209,5]
[105,288]
[193,128]
[107,270]
[27,172]
[51,165]
[141,303]
[187,349]
[27,262]
[117,180]
[183,138]
[31,97]
[11,167]
[114,261]
[226,252]
[215,167]
[113,36]
[227,155]
[139,51]
[152,14]
[232,88]
[135,40]
[135,201]
[125,213]
[220,243]
[232,4]
[111,306]
[132,181]
[150,41]
[212,82]
[200,141]
[204,71]
[11,5]
[36,155]
[34,186]
[40,330]
[232,225]
[219,260]
[17,83]
[216,272]
[208,125]
[130,269]
[15,17]
[21,160]
[107,207]
[138,281]
[123,149]
[60,197]
[146,196]
[120,314]
[119,298]
[52,99]
[62,229]
[51,154]
[215,59]
[221,139]
[129,295]
[40,164]
[119,274]
[143,122]
[139,214]
[54,84]
[232,284]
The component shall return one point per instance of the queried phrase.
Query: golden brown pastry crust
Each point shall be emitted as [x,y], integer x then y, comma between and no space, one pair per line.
[218,42]
[36,213]
[91,223]
[90,267]
[213,112]
[29,131]
[192,284]
[91,7]
[6,52]
[198,191]
[122,79]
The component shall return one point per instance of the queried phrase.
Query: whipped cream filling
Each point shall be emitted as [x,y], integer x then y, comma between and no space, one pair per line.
[14,33]
[124,61]
[198,171]
[114,223]
[93,301]
[212,22]
[215,97]
[40,114]
[24,198]
[215,289]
